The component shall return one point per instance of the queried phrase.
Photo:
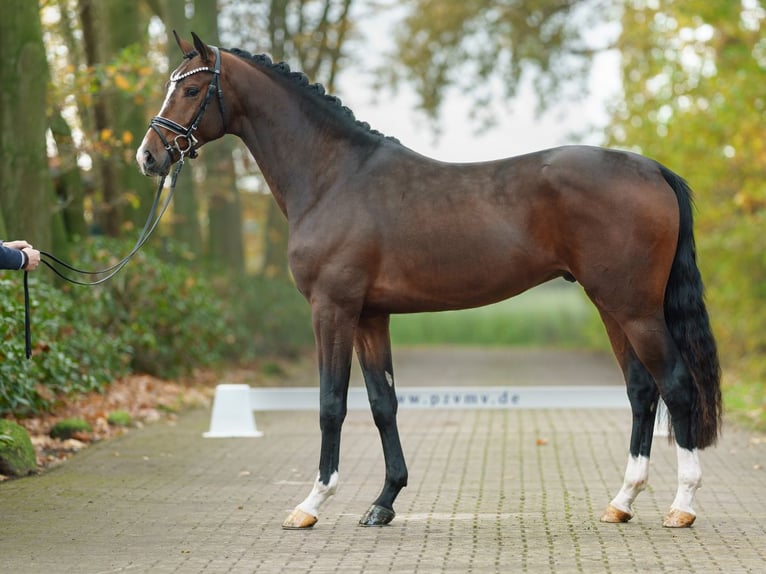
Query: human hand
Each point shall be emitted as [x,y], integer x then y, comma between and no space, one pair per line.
[33,258]
[20,244]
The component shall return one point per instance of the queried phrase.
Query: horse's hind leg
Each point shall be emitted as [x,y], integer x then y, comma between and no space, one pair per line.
[655,348]
[373,347]
[642,393]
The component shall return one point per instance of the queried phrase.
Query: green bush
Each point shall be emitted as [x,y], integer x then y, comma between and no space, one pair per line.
[69,355]
[67,428]
[119,419]
[272,318]
[160,315]
[556,314]
[168,314]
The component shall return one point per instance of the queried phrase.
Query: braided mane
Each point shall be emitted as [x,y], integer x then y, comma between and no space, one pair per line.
[316,90]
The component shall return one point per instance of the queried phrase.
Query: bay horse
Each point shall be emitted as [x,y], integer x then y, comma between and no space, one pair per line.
[376,228]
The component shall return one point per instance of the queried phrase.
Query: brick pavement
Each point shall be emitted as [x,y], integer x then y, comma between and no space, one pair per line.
[484,496]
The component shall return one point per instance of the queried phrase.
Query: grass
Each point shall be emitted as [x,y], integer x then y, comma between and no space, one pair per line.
[745,400]
[556,314]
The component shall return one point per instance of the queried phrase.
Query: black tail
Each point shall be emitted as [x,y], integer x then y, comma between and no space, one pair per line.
[688,322]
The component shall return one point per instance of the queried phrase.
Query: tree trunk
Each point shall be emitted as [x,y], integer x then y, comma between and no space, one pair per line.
[125,30]
[186,224]
[105,212]
[226,244]
[108,29]
[275,263]
[68,182]
[25,183]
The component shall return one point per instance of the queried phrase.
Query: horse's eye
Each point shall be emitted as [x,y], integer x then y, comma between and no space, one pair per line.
[191,91]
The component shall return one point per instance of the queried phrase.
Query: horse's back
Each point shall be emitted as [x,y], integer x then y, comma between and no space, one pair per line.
[423,235]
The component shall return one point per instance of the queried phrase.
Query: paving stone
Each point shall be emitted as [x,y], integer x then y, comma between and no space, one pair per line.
[484,496]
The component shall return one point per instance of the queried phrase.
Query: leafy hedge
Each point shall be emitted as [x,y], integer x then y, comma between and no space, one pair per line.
[68,354]
[160,315]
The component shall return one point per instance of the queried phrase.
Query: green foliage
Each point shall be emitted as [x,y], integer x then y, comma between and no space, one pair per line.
[17,455]
[693,79]
[556,314]
[476,45]
[67,428]
[69,355]
[160,315]
[272,317]
[167,314]
[119,419]
[746,400]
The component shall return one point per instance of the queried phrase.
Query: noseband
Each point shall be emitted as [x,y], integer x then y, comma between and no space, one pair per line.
[184,134]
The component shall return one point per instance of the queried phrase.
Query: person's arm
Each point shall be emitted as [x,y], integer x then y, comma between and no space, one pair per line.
[12,257]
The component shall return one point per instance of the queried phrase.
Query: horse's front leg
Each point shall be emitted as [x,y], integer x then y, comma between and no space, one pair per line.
[373,347]
[334,332]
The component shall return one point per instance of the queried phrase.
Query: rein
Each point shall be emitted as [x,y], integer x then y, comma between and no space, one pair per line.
[182,133]
[51,261]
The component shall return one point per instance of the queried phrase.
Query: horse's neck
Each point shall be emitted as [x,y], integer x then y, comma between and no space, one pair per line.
[298,160]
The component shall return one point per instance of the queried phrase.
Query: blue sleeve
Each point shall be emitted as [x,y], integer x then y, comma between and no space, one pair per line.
[10,258]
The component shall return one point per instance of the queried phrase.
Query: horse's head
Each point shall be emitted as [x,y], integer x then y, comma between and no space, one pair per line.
[183,125]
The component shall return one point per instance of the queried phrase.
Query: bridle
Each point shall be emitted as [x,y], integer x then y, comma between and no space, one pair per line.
[186,134]
[153,219]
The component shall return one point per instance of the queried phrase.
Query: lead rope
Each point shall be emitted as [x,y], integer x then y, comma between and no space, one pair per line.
[27,319]
[149,227]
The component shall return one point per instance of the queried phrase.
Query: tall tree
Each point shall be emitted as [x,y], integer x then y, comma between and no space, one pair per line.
[311,36]
[70,188]
[26,189]
[225,240]
[125,41]
[106,214]
[113,33]
[186,207]
[483,47]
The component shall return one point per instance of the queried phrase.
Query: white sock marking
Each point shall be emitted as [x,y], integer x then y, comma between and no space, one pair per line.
[689,479]
[319,494]
[636,478]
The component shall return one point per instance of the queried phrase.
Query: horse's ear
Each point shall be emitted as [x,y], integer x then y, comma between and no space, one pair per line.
[183,44]
[200,46]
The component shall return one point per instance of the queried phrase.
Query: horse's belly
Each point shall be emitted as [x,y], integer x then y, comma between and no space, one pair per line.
[472,281]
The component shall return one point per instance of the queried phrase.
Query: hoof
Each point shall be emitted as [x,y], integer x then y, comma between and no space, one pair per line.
[377,516]
[299,520]
[615,515]
[678,519]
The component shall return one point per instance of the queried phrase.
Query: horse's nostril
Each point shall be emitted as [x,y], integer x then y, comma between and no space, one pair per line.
[148,158]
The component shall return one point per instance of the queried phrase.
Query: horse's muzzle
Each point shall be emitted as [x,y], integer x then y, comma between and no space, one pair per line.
[150,165]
